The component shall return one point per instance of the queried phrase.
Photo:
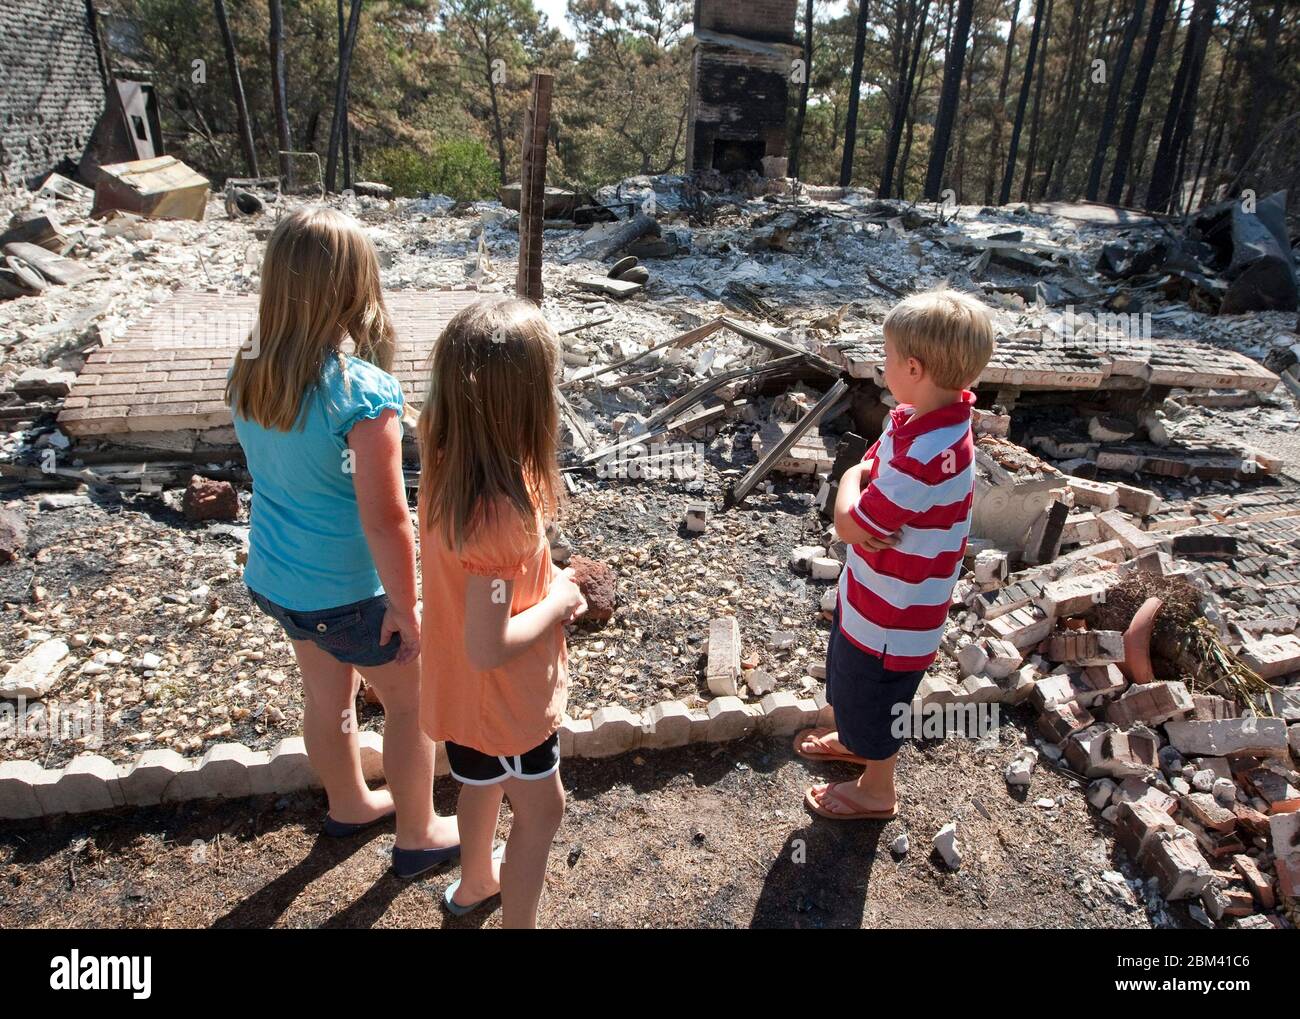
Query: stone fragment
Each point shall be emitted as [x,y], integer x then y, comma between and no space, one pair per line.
[207,499]
[33,675]
[599,587]
[1020,769]
[13,535]
[723,669]
[945,843]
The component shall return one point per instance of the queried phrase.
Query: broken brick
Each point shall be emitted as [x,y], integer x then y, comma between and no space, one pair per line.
[1173,859]
[1152,703]
[1273,656]
[1136,822]
[1228,737]
[1125,754]
[1208,812]
[724,656]
[1260,885]
[1274,789]
[1087,647]
[1060,721]
[1285,831]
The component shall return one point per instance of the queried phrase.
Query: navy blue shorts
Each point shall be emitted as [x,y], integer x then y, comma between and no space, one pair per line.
[867,697]
[473,767]
[349,632]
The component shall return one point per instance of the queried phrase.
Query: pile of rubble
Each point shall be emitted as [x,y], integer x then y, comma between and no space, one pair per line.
[722,343]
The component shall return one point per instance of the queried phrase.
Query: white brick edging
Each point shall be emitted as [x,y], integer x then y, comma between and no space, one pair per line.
[91,783]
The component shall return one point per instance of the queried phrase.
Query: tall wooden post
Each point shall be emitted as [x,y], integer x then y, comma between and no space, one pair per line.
[532,189]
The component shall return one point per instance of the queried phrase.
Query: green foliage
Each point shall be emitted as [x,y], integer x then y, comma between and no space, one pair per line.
[463,169]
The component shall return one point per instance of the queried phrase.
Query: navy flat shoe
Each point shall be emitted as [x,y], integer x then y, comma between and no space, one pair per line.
[342,829]
[410,863]
[449,896]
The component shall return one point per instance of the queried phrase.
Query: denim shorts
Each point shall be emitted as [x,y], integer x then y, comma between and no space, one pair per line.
[349,632]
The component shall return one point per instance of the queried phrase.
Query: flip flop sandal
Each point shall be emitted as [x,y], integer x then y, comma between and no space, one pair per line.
[812,804]
[409,863]
[454,907]
[817,734]
[342,829]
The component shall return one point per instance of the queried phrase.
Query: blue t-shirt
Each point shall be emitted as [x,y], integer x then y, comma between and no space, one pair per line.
[306,548]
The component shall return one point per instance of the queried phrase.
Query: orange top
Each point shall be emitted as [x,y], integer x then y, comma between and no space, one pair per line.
[503,711]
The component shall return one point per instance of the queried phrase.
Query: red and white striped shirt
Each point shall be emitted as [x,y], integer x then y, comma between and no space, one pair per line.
[894,603]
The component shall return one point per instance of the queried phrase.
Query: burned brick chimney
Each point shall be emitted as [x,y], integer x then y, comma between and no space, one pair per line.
[740,74]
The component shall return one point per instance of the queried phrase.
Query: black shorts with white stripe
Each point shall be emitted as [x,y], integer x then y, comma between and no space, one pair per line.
[473,767]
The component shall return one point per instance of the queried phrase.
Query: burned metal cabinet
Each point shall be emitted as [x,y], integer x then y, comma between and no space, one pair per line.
[741,59]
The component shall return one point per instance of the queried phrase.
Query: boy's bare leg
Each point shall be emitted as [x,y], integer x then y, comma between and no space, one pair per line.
[408,758]
[477,812]
[873,790]
[329,697]
[538,809]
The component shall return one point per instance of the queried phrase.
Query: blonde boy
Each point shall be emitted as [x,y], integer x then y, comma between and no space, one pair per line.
[905,514]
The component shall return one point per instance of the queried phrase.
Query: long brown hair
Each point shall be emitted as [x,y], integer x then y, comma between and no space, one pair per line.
[489,427]
[320,283]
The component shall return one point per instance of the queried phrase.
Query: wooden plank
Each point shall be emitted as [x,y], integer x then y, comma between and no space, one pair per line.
[737,493]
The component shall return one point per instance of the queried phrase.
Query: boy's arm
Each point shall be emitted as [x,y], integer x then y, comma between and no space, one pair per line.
[847,500]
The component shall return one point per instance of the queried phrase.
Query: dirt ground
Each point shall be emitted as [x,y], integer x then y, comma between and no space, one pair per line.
[704,836]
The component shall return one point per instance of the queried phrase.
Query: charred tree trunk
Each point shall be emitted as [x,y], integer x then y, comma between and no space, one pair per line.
[1217,152]
[282,134]
[903,98]
[345,124]
[1191,96]
[1005,194]
[1074,76]
[901,186]
[1182,106]
[855,83]
[1000,113]
[1261,68]
[1152,127]
[952,71]
[236,89]
[1124,150]
[796,143]
[1214,116]
[337,125]
[1032,160]
[1112,100]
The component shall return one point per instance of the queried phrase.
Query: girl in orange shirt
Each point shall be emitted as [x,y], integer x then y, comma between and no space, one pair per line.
[493,670]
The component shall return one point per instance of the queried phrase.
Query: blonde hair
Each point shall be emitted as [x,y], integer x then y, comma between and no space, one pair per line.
[947,331]
[320,283]
[490,424]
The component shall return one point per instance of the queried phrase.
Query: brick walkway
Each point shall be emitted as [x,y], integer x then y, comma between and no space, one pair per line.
[169,370]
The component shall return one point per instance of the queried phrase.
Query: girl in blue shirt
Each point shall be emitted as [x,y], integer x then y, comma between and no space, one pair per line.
[331,550]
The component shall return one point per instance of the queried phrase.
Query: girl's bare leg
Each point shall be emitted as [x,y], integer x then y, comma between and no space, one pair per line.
[477,811]
[538,809]
[408,758]
[329,730]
